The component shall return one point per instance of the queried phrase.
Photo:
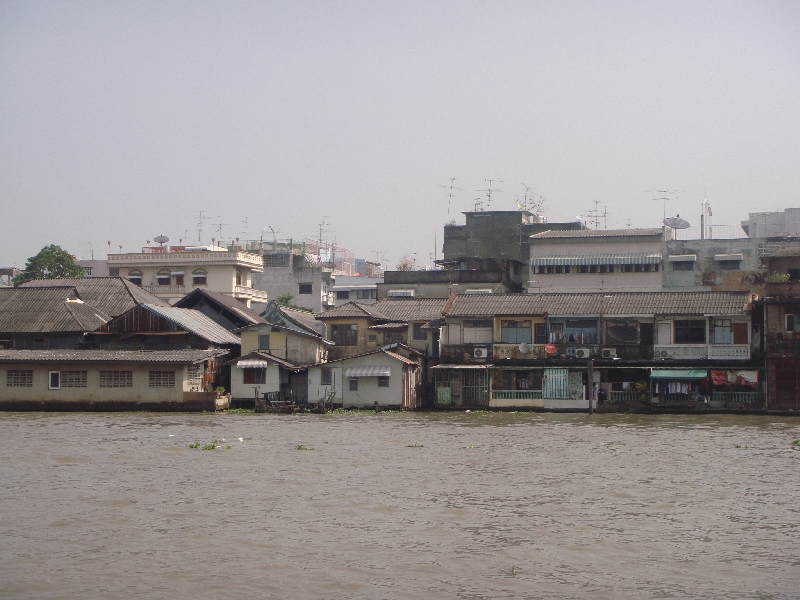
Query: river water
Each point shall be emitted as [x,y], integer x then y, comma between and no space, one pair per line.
[445,505]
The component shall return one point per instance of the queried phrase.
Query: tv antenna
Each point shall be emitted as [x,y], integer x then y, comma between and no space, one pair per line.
[200,218]
[489,191]
[218,228]
[595,215]
[324,223]
[531,201]
[666,196]
[478,204]
[451,188]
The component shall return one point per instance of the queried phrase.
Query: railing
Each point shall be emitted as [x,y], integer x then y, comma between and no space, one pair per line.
[624,397]
[735,351]
[783,345]
[165,289]
[466,353]
[628,352]
[252,292]
[247,259]
[674,399]
[750,398]
[516,394]
[681,351]
[512,351]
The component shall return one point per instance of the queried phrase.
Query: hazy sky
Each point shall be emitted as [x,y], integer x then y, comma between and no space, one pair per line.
[120,121]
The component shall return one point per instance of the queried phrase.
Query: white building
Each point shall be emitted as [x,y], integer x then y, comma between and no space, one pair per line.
[171,272]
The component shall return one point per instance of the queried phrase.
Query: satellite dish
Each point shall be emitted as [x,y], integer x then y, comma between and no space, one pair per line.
[676,222]
[161,239]
[524,348]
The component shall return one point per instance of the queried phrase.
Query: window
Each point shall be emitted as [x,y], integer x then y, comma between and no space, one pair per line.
[19,378]
[515,332]
[305,289]
[478,331]
[254,375]
[580,331]
[392,337]
[626,268]
[73,379]
[690,332]
[722,331]
[540,333]
[87,271]
[178,278]
[135,277]
[344,335]
[195,377]
[113,272]
[116,379]
[373,337]
[343,295]
[354,384]
[418,333]
[383,381]
[683,265]
[238,277]
[366,294]
[326,376]
[729,265]
[164,278]
[792,322]
[740,331]
[199,277]
[263,341]
[54,382]
[162,379]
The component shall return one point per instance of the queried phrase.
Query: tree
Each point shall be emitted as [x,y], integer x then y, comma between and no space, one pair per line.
[406,263]
[285,299]
[51,262]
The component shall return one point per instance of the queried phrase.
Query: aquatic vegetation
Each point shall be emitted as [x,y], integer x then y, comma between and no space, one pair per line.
[195,445]
[302,447]
[796,444]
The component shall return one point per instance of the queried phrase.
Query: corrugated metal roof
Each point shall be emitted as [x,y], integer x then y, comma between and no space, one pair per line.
[616,303]
[368,371]
[195,322]
[638,258]
[351,310]
[47,310]
[110,356]
[111,295]
[247,315]
[597,233]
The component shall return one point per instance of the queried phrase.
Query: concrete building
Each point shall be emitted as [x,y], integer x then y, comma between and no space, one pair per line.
[777,224]
[171,272]
[363,290]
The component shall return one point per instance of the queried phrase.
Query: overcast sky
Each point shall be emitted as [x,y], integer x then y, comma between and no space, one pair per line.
[119,121]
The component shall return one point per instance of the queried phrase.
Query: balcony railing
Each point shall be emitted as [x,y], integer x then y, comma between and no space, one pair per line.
[516,394]
[251,292]
[783,345]
[623,397]
[467,353]
[165,289]
[729,351]
[513,351]
[740,398]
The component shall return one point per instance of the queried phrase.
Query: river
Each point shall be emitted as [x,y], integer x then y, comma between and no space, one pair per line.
[443,505]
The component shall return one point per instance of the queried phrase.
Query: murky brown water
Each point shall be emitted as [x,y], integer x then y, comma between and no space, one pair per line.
[490,506]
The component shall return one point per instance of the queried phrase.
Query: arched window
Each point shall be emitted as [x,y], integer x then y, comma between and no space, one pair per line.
[164,277]
[135,277]
[199,277]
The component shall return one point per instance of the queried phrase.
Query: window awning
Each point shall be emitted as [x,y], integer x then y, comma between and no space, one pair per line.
[639,258]
[683,258]
[400,293]
[679,374]
[177,273]
[368,372]
[252,363]
[460,367]
[719,257]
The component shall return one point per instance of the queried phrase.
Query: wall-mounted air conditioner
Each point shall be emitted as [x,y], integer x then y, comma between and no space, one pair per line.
[480,352]
[608,353]
[664,354]
[582,352]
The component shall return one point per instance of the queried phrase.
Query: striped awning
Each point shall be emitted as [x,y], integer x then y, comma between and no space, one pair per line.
[640,258]
[679,374]
[683,258]
[252,363]
[368,372]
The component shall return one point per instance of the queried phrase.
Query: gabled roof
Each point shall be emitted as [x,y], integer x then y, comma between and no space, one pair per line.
[47,310]
[110,356]
[393,309]
[234,311]
[388,350]
[195,322]
[614,303]
[597,233]
[112,295]
[298,321]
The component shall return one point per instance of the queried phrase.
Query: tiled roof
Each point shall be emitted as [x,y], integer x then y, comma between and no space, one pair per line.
[410,309]
[350,310]
[110,356]
[195,322]
[247,315]
[111,295]
[47,310]
[305,319]
[597,233]
[616,303]
[299,321]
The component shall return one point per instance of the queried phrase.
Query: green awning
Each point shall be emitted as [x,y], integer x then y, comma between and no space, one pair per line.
[640,258]
[679,374]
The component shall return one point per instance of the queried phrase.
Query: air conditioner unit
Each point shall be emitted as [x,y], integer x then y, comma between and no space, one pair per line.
[665,354]
[582,352]
[480,352]
[609,353]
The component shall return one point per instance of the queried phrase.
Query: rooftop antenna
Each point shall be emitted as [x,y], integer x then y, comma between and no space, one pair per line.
[666,196]
[161,239]
[451,188]
[595,215]
[322,230]
[478,204]
[489,191]
[532,202]
[244,231]
[218,228]
[200,218]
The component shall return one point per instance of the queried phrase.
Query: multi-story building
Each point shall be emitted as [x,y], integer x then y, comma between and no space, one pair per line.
[171,272]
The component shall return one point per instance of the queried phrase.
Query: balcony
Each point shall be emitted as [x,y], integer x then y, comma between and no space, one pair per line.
[187,258]
[781,344]
[469,353]
[248,292]
[729,352]
[159,290]
[681,352]
[516,399]
[513,352]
